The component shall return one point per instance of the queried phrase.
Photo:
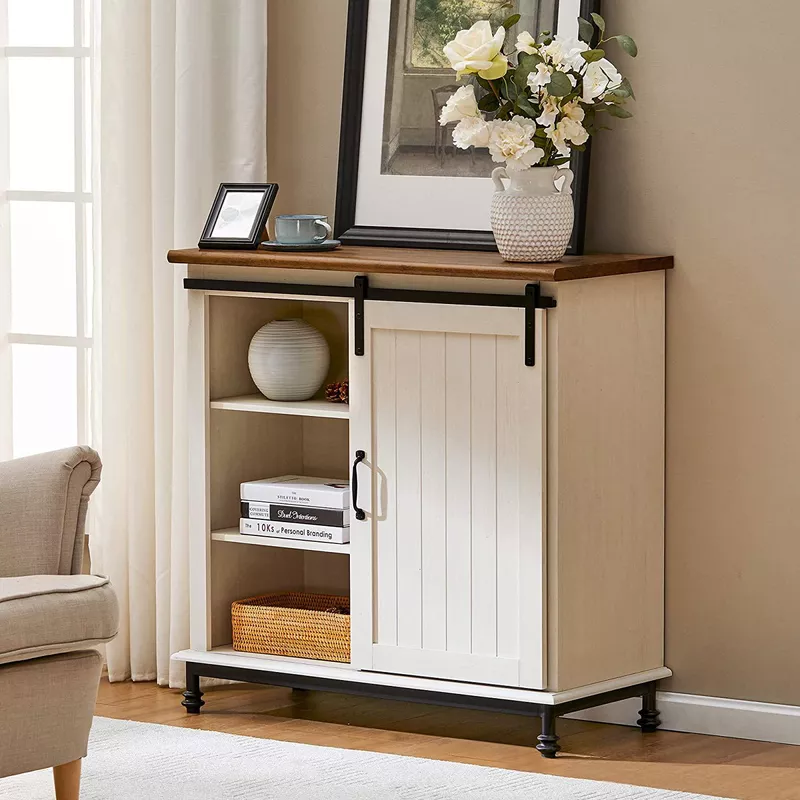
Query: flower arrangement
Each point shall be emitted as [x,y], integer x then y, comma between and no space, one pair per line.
[545,106]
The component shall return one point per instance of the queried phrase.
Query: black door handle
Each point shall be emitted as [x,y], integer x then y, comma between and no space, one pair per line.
[360,456]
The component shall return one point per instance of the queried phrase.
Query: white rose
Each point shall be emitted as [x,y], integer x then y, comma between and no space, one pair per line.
[549,112]
[471,132]
[566,50]
[600,77]
[460,105]
[539,78]
[512,141]
[478,50]
[526,43]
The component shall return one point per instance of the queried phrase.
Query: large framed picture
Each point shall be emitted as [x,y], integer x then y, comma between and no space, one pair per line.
[401,181]
[238,216]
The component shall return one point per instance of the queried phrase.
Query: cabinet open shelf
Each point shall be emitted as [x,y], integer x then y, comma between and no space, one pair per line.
[233,535]
[259,404]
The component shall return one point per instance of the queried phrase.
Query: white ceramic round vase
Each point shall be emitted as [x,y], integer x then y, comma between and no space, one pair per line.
[532,219]
[288,360]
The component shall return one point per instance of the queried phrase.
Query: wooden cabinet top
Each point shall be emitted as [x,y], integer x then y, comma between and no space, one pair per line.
[448,263]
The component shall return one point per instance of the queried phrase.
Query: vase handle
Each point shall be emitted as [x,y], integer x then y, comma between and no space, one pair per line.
[569,176]
[497,174]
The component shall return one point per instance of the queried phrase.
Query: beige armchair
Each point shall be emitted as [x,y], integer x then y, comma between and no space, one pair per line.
[51,616]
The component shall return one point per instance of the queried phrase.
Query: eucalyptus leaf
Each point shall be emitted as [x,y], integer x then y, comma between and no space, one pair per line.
[590,56]
[488,103]
[626,86]
[484,83]
[530,60]
[510,22]
[585,30]
[557,162]
[505,111]
[619,112]
[599,21]
[527,64]
[628,45]
[560,85]
[524,105]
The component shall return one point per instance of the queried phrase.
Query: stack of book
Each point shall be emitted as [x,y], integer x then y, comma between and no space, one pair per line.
[296,507]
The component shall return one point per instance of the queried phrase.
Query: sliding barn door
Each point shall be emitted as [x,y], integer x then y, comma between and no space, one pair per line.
[447,569]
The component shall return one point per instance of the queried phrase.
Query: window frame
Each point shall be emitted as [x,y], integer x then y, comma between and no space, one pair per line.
[80,197]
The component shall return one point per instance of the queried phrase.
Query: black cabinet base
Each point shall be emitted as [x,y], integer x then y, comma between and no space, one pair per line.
[547,740]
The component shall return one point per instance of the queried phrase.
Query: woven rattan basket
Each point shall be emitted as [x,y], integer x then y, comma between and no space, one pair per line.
[293,624]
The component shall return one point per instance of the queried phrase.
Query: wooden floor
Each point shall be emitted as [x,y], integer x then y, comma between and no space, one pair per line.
[710,765]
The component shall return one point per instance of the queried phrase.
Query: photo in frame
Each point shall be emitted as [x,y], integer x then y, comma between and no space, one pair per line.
[401,181]
[238,216]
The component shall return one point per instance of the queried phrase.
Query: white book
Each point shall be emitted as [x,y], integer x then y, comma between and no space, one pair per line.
[288,530]
[298,490]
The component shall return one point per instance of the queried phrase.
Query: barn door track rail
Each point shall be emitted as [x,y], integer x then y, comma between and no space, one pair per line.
[362,292]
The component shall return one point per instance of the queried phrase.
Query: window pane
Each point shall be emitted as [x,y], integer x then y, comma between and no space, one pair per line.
[40,23]
[41,123]
[43,268]
[44,404]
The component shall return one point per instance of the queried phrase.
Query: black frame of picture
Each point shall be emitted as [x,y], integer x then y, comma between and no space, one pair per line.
[346,229]
[270,192]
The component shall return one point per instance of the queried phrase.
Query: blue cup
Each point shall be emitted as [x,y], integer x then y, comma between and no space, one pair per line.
[302,228]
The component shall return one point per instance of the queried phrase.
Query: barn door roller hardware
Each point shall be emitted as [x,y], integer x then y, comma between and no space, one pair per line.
[530,301]
[362,292]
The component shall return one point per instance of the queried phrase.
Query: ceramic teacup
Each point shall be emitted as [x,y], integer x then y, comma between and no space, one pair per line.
[302,228]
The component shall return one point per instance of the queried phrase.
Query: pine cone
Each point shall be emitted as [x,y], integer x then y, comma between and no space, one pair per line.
[344,392]
[332,392]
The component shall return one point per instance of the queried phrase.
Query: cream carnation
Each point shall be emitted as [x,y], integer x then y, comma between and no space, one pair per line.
[512,141]
[471,132]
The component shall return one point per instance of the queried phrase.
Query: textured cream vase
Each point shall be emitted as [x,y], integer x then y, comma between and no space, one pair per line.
[531,219]
[288,360]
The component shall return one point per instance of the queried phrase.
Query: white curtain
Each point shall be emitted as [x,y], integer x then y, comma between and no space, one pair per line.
[181,106]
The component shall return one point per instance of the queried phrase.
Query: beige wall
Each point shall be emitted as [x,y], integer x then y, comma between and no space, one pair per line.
[704,172]
[707,170]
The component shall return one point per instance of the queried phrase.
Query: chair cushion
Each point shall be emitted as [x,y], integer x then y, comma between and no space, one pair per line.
[41,615]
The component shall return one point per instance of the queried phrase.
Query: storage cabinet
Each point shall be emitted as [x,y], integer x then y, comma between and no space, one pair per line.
[508,421]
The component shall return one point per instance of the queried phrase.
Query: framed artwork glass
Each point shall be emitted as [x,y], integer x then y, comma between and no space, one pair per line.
[238,216]
[401,181]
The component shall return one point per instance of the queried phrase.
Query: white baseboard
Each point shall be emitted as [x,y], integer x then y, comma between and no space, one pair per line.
[714,716]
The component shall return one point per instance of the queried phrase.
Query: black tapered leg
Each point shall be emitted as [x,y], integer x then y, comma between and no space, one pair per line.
[547,740]
[649,718]
[192,697]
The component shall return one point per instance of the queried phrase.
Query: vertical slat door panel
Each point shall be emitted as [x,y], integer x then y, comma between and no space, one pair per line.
[483,498]
[458,477]
[456,524]
[408,413]
[384,452]
[433,488]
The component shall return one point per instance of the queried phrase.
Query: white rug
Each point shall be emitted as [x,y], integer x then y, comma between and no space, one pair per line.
[139,761]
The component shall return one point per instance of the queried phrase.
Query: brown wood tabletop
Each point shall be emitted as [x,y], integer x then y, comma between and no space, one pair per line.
[410,261]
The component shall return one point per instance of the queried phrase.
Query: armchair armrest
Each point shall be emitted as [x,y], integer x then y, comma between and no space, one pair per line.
[43,501]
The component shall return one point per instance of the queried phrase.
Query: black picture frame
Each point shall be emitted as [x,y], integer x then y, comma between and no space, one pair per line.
[269,192]
[345,228]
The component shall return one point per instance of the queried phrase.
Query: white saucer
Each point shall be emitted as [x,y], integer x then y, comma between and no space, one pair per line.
[328,244]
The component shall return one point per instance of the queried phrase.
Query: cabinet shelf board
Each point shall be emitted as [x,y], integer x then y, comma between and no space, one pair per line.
[233,535]
[266,659]
[259,404]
